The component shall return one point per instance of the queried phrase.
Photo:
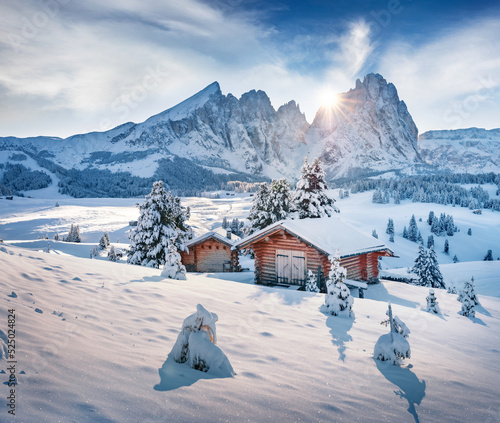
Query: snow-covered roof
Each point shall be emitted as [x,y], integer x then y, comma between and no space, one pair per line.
[325,234]
[208,235]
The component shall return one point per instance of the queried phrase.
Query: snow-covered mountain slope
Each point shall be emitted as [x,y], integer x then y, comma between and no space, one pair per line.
[471,150]
[93,345]
[368,129]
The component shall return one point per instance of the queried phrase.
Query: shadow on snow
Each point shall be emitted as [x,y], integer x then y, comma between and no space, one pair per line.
[174,375]
[410,387]
[339,328]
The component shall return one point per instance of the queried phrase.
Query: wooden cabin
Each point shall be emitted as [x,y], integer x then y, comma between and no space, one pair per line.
[210,253]
[286,250]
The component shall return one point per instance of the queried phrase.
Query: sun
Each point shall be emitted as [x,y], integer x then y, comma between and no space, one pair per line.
[329,98]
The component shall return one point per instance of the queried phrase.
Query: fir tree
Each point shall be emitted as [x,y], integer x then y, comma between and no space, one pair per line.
[173,268]
[488,256]
[391,238]
[95,251]
[455,259]
[432,304]
[468,299]
[106,235]
[225,223]
[419,263]
[312,285]
[435,226]
[112,254]
[259,217]
[405,233]
[279,200]
[310,198]
[430,219]
[374,234]
[413,230]
[390,227]
[56,237]
[161,219]
[393,346]
[431,276]
[103,243]
[469,232]
[338,299]
[450,226]
[430,241]
[446,247]
[74,234]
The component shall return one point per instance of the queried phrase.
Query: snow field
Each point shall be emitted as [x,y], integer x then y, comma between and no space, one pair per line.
[95,352]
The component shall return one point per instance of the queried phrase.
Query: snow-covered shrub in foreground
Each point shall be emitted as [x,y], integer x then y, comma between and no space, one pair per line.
[393,346]
[432,304]
[468,299]
[338,299]
[196,345]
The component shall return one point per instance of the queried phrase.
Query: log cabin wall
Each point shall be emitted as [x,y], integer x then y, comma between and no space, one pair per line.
[265,255]
[207,256]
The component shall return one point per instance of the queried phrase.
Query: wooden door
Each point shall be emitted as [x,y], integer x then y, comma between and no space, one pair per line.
[290,267]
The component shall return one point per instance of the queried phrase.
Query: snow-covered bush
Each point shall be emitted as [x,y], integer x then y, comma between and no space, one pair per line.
[310,198]
[488,256]
[196,345]
[393,346]
[311,285]
[173,268]
[161,218]
[95,251]
[338,299]
[103,243]
[432,304]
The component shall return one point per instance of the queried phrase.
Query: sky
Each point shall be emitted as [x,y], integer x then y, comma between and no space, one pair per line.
[69,67]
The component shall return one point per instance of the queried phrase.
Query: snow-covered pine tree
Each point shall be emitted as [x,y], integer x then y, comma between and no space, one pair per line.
[430,219]
[468,299]
[225,223]
[106,235]
[161,218]
[74,234]
[405,233]
[377,197]
[391,238]
[469,291]
[450,225]
[112,254]
[420,263]
[446,247]
[431,276]
[56,237]
[338,299]
[279,200]
[455,259]
[312,284]
[469,232]
[259,216]
[173,268]
[432,304]
[310,198]
[103,243]
[390,227]
[488,256]
[95,251]
[430,241]
[413,229]
[374,234]
[435,225]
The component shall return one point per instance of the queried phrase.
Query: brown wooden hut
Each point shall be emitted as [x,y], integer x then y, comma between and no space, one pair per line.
[286,250]
[209,253]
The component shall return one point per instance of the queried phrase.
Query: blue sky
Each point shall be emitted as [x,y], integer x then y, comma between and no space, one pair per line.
[69,67]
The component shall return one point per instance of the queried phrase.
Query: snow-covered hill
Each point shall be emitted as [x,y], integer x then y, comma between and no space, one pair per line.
[92,345]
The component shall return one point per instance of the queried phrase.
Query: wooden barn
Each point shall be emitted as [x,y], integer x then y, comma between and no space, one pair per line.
[209,253]
[286,250]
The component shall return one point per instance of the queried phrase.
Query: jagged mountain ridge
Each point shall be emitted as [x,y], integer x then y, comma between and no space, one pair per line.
[371,131]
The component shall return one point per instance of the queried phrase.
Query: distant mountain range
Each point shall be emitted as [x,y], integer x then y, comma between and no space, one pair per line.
[214,137]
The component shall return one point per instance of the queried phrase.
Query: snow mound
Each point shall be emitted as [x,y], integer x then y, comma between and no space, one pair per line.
[392,347]
[196,345]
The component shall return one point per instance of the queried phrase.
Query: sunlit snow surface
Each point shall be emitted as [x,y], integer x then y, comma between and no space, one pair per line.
[94,349]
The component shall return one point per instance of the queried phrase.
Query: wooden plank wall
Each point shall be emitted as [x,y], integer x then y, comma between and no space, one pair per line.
[208,256]
[265,253]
